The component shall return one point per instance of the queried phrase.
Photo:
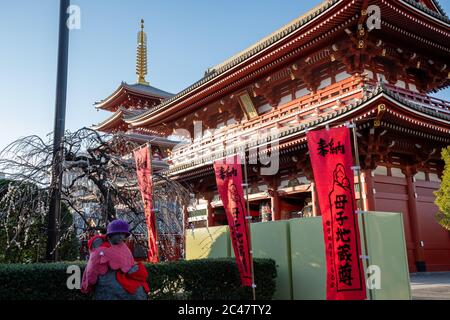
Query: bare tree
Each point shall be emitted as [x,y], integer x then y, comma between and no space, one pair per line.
[98,172]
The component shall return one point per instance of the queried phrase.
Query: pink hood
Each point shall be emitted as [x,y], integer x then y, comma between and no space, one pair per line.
[101,259]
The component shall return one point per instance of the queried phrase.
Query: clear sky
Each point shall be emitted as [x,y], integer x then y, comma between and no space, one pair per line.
[185,37]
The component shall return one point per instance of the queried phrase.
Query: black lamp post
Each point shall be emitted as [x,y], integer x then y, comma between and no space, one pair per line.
[54,215]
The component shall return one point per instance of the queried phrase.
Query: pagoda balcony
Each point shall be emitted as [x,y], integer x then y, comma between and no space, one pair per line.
[288,116]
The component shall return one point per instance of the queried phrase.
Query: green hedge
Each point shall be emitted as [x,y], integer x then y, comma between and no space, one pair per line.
[191,280]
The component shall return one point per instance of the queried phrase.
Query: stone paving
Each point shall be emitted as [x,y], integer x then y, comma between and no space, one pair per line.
[430,286]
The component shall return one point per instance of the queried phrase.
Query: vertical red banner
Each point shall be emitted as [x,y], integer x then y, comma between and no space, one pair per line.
[229,184]
[144,176]
[330,152]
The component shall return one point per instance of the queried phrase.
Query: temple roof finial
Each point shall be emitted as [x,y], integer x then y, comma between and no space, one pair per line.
[141,56]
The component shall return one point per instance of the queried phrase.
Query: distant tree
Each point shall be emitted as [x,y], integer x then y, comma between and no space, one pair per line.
[23,221]
[443,194]
[70,244]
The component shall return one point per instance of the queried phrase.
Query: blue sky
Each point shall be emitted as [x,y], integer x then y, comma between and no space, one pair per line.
[185,37]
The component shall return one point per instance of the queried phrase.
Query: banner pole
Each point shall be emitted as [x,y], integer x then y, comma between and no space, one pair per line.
[149,148]
[249,228]
[366,260]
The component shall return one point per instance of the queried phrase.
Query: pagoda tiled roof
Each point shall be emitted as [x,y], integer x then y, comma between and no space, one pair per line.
[147,89]
[120,115]
[130,113]
[138,89]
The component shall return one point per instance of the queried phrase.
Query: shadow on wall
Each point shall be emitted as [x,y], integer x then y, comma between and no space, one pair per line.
[205,243]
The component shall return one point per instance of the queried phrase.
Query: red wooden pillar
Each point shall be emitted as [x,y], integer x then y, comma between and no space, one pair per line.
[368,189]
[272,185]
[314,197]
[275,205]
[419,252]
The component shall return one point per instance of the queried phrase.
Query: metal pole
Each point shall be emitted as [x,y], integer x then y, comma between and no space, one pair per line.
[153,216]
[249,228]
[358,170]
[313,199]
[184,233]
[54,215]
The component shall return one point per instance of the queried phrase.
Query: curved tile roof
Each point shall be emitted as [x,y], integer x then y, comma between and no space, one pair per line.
[441,15]
[148,90]
[136,88]
[121,114]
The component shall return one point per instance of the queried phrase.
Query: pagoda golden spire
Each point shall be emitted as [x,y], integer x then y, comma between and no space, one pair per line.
[141,56]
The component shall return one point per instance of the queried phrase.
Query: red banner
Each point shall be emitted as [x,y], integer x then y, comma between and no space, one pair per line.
[330,152]
[144,176]
[229,184]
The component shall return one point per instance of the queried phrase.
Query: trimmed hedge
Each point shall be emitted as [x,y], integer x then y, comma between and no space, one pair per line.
[182,280]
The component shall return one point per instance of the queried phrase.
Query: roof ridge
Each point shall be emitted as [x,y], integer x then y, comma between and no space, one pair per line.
[440,14]
[112,116]
[286,28]
[138,86]
[439,7]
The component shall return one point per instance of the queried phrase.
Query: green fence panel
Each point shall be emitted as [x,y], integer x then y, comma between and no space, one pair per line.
[308,259]
[297,246]
[211,242]
[386,250]
[271,240]
[387,256]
